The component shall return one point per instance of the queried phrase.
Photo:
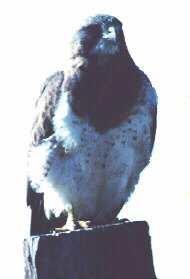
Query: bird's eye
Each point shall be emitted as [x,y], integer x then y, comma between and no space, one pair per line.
[111,29]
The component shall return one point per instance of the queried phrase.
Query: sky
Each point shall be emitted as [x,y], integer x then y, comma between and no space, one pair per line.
[34,44]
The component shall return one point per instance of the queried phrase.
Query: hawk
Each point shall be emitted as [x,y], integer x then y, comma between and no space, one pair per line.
[93,132]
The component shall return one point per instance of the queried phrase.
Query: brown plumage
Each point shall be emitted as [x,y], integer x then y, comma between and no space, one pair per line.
[42,127]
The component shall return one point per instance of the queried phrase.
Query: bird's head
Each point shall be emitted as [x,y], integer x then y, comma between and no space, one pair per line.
[103,80]
[98,36]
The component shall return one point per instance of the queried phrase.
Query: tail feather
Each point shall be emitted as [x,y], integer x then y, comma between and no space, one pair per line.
[40,224]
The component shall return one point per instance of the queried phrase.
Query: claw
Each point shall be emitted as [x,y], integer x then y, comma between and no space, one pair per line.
[83,224]
[73,224]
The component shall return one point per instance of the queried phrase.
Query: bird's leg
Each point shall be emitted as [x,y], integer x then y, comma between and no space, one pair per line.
[72,223]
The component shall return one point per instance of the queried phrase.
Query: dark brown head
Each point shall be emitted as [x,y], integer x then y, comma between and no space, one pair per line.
[98,36]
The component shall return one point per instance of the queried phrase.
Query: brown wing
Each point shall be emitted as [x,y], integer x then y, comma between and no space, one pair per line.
[42,127]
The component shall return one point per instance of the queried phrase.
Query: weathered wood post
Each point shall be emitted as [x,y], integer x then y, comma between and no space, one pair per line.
[118,251]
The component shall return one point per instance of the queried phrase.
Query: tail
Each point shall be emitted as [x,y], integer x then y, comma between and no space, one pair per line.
[39,222]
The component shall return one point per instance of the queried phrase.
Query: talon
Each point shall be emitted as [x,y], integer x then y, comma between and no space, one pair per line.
[65,228]
[73,224]
[84,224]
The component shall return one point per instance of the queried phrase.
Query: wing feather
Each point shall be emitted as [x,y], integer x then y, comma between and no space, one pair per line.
[45,106]
[42,128]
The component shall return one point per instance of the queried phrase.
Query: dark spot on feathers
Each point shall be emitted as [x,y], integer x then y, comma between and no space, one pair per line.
[51,103]
[30,259]
[134,137]
[141,101]
[145,130]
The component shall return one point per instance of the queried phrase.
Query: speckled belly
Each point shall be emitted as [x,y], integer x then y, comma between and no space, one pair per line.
[94,180]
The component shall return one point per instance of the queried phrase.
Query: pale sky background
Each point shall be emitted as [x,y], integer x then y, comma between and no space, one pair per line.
[33,41]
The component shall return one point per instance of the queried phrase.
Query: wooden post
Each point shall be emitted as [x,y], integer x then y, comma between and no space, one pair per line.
[118,251]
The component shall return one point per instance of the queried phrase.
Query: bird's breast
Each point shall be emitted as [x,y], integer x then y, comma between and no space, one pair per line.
[97,169]
[94,172]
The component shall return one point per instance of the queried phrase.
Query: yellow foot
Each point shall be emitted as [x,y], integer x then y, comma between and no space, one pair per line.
[83,224]
[65,228]
[71,226]
[72,223]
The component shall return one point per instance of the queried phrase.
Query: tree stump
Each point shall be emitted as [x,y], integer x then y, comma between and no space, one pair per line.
[117,251]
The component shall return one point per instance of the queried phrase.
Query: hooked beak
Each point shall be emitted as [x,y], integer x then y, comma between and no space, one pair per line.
[110,34]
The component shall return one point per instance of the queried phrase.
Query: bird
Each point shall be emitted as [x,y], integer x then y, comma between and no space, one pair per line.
[93,132]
